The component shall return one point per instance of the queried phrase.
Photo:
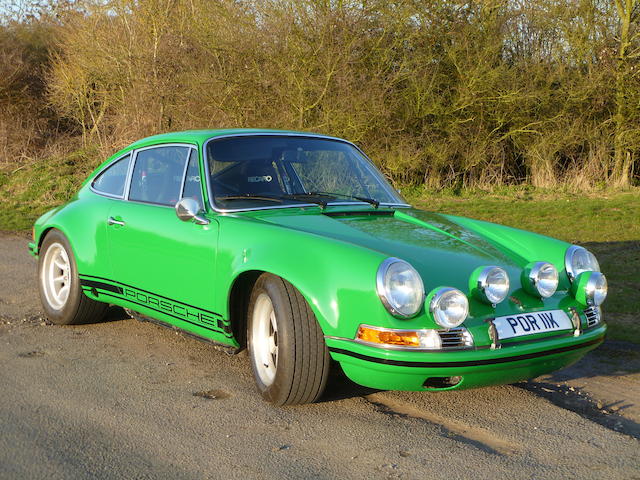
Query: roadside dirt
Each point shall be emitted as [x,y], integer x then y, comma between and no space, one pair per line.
[123,399]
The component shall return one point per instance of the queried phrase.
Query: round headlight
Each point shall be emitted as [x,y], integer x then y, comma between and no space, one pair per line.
[493,283]
[449,307]
[597,289]
[578,260]
[400,287]
[543,278]
[590,288]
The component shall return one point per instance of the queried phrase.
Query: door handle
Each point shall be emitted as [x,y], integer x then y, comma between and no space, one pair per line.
[113,221]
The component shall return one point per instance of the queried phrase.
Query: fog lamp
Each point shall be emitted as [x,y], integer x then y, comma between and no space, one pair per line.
[590,288]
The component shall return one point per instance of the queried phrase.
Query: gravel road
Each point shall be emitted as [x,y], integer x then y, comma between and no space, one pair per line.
[123,399]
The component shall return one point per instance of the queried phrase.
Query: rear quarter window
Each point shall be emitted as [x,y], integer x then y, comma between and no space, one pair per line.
[112,180]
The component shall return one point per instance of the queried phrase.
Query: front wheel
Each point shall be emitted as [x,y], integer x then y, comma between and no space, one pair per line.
[289,357]
[59,285]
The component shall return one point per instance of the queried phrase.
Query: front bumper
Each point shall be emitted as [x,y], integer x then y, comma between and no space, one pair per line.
[405,370]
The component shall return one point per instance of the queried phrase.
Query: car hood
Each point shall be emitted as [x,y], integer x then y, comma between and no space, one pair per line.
[443,250]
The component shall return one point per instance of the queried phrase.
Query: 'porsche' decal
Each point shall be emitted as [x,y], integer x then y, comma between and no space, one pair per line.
[173,308]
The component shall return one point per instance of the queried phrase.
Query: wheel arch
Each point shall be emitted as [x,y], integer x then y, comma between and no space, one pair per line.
[238,304]
[47,230]
[335,277]
[43,235]
[50,228]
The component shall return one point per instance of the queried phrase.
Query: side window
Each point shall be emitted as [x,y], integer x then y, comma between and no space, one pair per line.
[157,175]
[192,186]
[112,180]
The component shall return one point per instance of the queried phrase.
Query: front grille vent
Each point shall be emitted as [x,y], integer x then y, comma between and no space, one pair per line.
[593,316]
[455,338]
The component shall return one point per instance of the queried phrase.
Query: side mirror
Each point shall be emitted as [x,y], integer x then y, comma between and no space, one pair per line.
[187,209]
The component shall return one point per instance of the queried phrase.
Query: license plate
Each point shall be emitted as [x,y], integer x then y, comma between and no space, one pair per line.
[532,323]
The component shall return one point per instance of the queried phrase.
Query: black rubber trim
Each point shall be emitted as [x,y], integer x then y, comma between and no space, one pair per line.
[466,363]
[147,291]
[146,319]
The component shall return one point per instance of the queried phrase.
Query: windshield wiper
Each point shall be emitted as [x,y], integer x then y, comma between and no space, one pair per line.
[373,202]
[307,198]
[299,197]
[267,198]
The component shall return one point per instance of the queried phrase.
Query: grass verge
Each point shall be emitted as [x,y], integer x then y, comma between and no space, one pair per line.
[33,188]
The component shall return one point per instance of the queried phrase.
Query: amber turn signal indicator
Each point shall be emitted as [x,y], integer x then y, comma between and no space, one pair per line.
[386,337]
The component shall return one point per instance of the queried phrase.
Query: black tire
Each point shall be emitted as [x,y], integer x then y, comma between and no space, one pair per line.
[302,364]
[77,308]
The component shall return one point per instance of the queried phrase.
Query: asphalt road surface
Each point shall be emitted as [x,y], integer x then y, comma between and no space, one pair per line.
[123,399]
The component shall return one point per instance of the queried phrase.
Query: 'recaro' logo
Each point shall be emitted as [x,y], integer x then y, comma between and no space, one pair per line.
[262,178]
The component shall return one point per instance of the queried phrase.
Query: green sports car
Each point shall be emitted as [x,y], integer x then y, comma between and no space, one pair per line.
[294,246]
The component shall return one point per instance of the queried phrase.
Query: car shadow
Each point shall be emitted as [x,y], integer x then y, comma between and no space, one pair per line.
[115,314]
[340,387]
[609,415]
[614,358]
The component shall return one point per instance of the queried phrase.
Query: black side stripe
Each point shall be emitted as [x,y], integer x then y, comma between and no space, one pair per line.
[467,363]
[101,285]
[220,325]
[145,291]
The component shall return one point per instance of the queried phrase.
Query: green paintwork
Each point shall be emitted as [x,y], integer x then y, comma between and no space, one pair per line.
[182,273]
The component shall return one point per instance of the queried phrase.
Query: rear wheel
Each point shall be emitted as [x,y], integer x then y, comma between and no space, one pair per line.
[288,354]
[59,285]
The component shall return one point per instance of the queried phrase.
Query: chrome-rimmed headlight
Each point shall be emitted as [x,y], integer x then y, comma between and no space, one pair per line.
[448,306]
[541,279]
[400,288]
[579,259]
[590,288]
[492,284]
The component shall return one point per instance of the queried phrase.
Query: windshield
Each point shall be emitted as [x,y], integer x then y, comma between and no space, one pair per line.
[274,170]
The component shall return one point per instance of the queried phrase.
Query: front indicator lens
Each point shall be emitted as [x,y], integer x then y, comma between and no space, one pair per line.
[449,307]
[425,339]
[590,288]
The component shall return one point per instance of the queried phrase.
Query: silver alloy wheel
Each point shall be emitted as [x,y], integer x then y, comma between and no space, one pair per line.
[56,276]
[264,339]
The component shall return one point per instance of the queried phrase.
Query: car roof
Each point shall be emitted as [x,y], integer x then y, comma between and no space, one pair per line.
[198,137]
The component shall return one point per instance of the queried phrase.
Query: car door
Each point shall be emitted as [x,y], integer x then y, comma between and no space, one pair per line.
[165,264]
